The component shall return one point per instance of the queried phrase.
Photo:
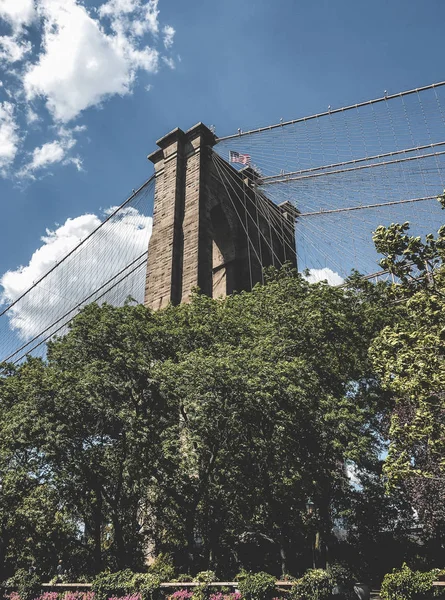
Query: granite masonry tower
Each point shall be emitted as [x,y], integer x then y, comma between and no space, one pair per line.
[205,234]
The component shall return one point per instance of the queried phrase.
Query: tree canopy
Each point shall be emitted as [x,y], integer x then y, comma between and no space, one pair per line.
[205,430]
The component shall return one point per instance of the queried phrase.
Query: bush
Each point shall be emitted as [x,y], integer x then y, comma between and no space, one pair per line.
[405,584]
[256,586]
[162,566]
[28,584]
[107,585]
[205,576]
[316,584]
[341,575]
[145,586]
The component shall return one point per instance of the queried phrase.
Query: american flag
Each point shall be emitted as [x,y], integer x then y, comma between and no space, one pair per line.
[236,157]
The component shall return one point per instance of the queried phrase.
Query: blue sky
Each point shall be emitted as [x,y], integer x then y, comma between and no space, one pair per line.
[229,64]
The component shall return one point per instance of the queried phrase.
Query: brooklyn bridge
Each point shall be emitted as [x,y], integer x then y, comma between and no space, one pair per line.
[217,210]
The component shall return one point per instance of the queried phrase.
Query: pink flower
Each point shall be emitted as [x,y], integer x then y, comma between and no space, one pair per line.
[48,596]
[181,595]
[127,597]
[78,596]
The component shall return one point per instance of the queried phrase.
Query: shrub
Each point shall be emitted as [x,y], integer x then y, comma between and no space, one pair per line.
[316,584]
[118,584]
[341,575]
[405,584]
[206,576]
[147,585]
[28,584]
[126,584]
[256,586]
[162,566]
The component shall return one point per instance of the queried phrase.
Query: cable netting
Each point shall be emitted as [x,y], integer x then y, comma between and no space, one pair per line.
[106,266]
[349,170]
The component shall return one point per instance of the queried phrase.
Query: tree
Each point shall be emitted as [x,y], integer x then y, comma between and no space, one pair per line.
[275,392]
[409,357]
[203,429]
[34,525]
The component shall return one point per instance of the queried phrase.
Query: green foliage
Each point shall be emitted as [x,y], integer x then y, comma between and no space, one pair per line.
[28,585]
[341,574]
[274,390]
[148,585]
[205,576]
[408,357]
[405,584]
[163,567]
[316,584]
[107,584]
[256,586]
[126,582]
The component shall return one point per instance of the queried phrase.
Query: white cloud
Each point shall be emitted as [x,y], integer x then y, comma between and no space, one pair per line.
[325,274]
[17,13]
[86,56]
[47,155]
[148,21]
[12,49]
[169,62]
[121,240]
[54,152]
[169,34]
[56,244]
[80,65]
[31,116]
[117,8]
[76,161]
[9,137]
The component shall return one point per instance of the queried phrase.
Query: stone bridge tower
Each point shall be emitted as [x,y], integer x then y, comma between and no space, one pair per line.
[205,235]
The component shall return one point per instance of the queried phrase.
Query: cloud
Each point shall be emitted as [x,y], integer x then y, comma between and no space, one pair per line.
[18,13]
[325,274]
[169,62]
[9,137]
[82,57]
[169,34]
[80,65]
[148,23]
[47,155]
[144,16]
[31,116]
[54,152]
[12,49]
[121,240]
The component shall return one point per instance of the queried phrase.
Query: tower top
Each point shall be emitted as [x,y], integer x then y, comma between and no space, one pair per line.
[177,135]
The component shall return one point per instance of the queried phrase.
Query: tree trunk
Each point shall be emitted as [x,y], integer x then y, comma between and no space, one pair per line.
[283,557]
[97,531]
[119,541]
